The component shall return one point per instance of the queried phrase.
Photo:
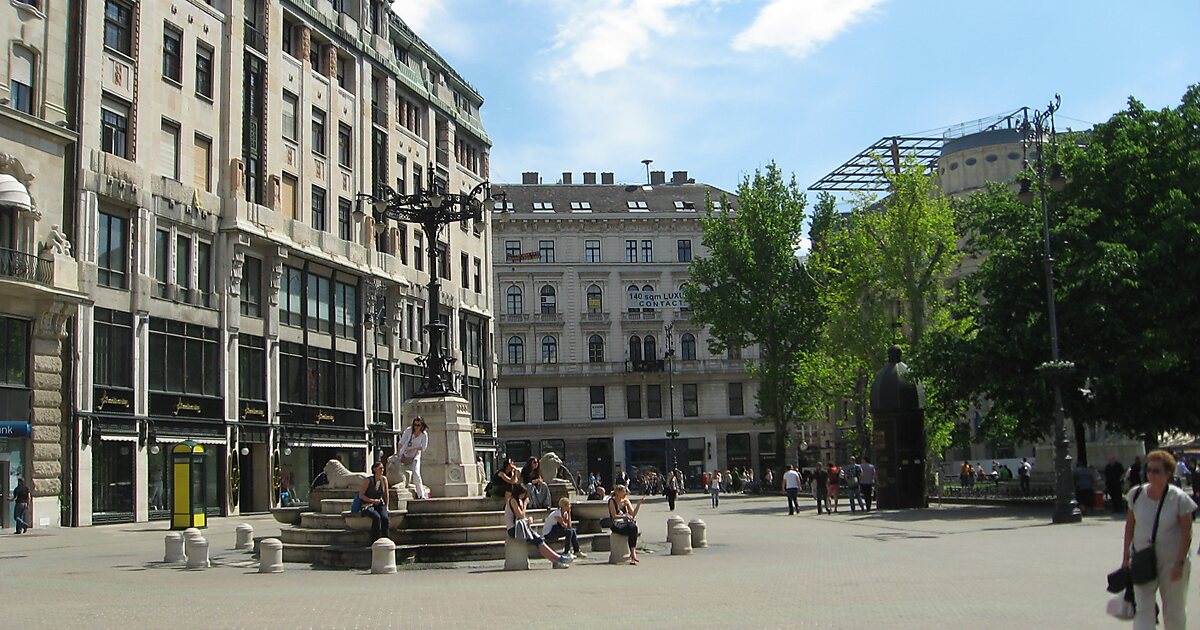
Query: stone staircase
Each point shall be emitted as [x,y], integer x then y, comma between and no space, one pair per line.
[430,530]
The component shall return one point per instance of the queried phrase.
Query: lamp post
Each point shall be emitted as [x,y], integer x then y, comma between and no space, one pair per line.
[432,209]
[670,356]
[1037,129]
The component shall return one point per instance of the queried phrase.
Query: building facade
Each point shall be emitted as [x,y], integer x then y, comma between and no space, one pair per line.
[588,283]
[39,280]
[241,295]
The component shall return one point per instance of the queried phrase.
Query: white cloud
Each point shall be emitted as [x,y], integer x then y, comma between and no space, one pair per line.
[798,27]
[603,35]
[418,14]
[435,22]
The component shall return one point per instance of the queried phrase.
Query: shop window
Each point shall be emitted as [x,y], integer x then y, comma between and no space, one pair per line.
[252,367]
[184,358]
[112,349]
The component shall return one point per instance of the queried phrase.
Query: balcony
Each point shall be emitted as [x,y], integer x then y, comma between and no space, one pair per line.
[27,267]
[650,365]
[594,317]
[652,316]
[514,318]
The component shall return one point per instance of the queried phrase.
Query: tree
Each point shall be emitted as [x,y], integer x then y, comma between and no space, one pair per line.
[751,288]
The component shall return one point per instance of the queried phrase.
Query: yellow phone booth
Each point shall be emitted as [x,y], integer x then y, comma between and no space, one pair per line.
[188,500]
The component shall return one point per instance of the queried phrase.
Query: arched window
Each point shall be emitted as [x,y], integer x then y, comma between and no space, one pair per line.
[687,347]
[514,300]
[684,306]
[647,289]
[549,349]
[635,348]
[596,349]
[649,348]
[549,301]
[595,300]
[516,350]
[632,289]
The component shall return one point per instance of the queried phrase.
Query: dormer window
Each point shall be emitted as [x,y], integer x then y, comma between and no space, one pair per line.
[636,205]
[543,206]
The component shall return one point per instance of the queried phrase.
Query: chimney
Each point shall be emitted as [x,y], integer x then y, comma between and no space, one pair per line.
[679,177]
[607,178]
[529,177]
[589,178]
[566,177]
[658,178]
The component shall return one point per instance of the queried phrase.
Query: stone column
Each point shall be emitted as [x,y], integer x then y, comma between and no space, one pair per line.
[49,410]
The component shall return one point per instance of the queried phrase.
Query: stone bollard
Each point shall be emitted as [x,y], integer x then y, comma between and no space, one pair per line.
[681,539]
[270,556]
[383,556]
[671,521]
[197,558]
[245,537]
[190,536]
[619,551]
[516,554]
[174,552]
[699,540]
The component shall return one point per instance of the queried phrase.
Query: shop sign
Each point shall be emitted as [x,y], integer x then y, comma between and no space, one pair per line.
[176,406]
[252,411]
[112,400]
[303,414]
[15,429]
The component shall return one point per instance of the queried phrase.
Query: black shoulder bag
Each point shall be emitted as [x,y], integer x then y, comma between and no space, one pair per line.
[1143,566]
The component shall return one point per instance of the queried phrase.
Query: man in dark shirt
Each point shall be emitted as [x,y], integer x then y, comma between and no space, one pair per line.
[1114,474]
[821,488]
[21,498]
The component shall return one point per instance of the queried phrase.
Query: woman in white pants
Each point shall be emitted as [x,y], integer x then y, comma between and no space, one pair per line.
[1172,508]
[413,442]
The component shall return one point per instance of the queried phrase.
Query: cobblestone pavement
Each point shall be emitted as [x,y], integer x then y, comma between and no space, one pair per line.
[954,567]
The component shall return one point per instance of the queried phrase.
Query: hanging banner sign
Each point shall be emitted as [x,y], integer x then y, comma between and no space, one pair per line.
[15,429]
[526,257]
[650,299]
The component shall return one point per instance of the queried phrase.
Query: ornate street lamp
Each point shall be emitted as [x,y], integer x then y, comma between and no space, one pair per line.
[432,209]
[1038,131]
[670,356]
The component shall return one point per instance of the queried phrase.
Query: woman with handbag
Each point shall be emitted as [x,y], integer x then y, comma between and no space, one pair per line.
[624,518]
[372,500]
[1158,540]
[414,441]
[518,526]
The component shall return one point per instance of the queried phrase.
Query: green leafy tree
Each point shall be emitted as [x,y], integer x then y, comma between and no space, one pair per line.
[751,288]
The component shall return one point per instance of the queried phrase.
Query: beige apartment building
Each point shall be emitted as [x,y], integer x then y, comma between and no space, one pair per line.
[240,295]
[588,282]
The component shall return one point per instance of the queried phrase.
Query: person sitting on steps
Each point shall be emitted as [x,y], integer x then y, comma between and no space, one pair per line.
[374,495]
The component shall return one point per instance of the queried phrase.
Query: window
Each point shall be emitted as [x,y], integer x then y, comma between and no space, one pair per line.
[252,367]
[687,347]
[317,314]
[543,206]
[345,73]
[443,252]
[402,243]
[318,131]
[516,405]
[691,407]
[343,219]
[204,270]
[595,300]
[168,150]
[647,251]
[288,198]
[516,351]
[548,300]
[633,290]
[291,310]
[464,264]
[345,381]
[477,279]
[183,262]
[162,260]
[291,106]
[204,71]
[685,250]
[654,401]
[649,348]
[633,401]
[546,251]
[112,349]
[172,59]
[318,209]
[184,358]
[418,251]
[735,400]
[549,349]
[550,404]
[288,43]
[592,251]
[202,163]
[513,302]
[595,349]
[20,84]
[345,309]
[251,287]
[596,399]
[512,250]
[581,206]
[345,144]
[733,352]
[383,388]
[114,128]
[630,251]
[636,205]
[112,255]
[474,343]
[518,450]
[635,348]
[647,289]
[118,27]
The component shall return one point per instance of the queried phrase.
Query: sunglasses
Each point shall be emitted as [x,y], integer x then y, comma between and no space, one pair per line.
[1155,471]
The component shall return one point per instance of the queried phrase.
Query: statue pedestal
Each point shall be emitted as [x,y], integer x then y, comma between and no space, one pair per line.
[448,466]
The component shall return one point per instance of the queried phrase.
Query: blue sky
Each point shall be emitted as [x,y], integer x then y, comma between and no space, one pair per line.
[719,87]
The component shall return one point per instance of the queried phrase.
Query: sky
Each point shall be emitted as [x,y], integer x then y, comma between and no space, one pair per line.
[721,87]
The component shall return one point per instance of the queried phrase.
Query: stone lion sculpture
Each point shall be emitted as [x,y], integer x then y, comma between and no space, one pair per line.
[550,463]
[398,473]
[340,477]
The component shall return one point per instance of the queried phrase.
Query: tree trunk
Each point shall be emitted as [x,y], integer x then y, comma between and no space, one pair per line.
[781,431]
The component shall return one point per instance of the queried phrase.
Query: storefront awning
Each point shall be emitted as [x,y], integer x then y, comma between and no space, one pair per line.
[13,193]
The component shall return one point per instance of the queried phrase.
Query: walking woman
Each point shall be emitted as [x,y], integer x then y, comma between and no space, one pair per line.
[413,442]
[374,497]
[624,518]
[1158,505]
[517,524]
